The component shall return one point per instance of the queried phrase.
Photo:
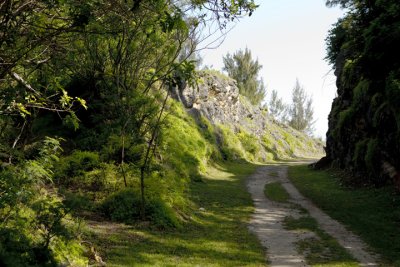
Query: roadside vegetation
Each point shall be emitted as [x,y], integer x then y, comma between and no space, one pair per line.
[275,192]
[364,129]
[371,213]
[215,234]
[83,118]
[89,133]
[320,249]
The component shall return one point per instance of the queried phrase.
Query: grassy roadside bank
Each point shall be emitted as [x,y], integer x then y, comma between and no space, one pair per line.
[216,235]
[373,214]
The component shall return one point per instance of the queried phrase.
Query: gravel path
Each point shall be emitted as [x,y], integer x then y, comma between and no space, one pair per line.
[267,222]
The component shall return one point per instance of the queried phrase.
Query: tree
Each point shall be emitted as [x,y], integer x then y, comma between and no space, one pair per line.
[127,68]
[241,67]
[342,3]
[122,57]
[301,111]
[277,108]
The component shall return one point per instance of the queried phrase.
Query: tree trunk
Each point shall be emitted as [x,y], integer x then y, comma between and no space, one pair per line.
[147,158]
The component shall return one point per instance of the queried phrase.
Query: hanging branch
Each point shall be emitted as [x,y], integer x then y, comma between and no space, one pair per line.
[21,81]
[16,141]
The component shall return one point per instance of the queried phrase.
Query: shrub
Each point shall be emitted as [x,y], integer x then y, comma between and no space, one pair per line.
[33,216]
[249,142]
[77,202]
[160,214]
[124,206]
[359,153]
[371,157]
[231,147]
[71,169]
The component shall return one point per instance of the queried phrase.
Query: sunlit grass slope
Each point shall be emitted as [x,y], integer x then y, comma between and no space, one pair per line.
[216,234]
[196,193]
[374,214]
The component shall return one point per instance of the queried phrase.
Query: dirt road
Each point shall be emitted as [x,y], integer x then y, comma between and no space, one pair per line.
[267,222]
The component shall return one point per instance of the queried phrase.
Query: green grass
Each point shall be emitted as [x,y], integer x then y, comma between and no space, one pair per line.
[275,192]
[273,174]
[373,214]
[215,235]
[321,250]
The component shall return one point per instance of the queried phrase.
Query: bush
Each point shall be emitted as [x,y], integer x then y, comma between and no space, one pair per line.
[160,214]
[71,169]
[33,216]
[124,206]
[77,202]
[249,143]
[230,145]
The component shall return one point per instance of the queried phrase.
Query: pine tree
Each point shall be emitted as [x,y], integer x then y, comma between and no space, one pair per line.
[277,108]
[301,110]
[241,67]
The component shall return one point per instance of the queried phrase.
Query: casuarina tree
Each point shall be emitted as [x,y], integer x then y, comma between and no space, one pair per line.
[241,67]
[301,111]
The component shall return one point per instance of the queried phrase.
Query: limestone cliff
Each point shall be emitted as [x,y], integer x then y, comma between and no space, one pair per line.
[246,129]
[364,123]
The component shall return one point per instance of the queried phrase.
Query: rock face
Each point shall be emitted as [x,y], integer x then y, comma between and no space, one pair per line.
[218,100]
[364,123]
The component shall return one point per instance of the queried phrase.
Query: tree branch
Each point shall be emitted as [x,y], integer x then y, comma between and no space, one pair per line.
[21,81]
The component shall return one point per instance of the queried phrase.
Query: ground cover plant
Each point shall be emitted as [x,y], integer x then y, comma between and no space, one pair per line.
[215,235]
[275,192]
[321,249]
[373,214]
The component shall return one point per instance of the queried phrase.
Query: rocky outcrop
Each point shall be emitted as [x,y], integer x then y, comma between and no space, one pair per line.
[364,122]
[217,99]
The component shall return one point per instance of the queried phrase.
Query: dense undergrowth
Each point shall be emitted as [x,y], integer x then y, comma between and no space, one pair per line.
[87,129]
[86,183]
[37,228]
[187,146]
[216,235]
[364,123]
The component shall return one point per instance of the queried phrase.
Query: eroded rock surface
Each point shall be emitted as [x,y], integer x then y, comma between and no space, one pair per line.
[217,98]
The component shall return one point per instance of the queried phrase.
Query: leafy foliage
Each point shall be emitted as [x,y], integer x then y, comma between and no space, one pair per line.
[124,206]
[301,111]
[69,168]
[33,218]
[277,108]
[364,121]
[99,74]
[241,67]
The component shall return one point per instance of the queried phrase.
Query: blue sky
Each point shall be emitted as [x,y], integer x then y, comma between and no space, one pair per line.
[288,38]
